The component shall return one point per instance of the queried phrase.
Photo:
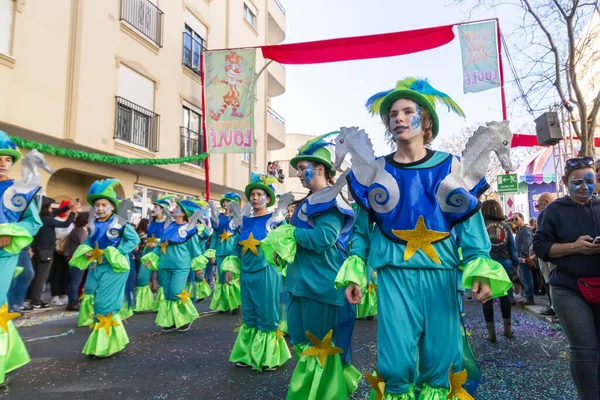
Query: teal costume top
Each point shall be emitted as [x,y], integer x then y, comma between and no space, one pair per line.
[183,247]
[321,232]
[224,239]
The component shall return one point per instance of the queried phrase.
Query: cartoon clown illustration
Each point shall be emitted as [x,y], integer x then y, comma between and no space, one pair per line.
[231,99]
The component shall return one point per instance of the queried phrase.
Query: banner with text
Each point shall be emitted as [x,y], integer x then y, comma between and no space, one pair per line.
[229,100]
[479,48]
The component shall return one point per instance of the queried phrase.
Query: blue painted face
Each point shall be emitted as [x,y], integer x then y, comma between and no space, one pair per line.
[583,186]
[415,124]
[309,174]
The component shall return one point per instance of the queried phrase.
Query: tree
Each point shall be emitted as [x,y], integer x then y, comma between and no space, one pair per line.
[556,51]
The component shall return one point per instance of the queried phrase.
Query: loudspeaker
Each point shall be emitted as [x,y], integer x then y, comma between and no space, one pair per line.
[547,129]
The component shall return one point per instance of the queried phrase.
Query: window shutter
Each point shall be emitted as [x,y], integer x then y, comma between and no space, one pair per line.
[136,88]
[196,25]
[7,13]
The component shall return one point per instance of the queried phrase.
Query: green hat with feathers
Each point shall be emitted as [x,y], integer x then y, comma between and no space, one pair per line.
[315,150]
[263,182]
[418,90]
[104,189]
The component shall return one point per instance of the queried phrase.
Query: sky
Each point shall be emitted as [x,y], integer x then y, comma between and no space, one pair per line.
[323,97]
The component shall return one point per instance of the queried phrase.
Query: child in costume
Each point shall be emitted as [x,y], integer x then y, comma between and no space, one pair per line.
[106,254]
[177,252]
[258,345]
[144,299]
[226,297]
[202,288]
[19,222]
[314,246]
[413,210]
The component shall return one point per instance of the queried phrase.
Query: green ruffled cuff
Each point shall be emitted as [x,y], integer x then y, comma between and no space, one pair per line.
[232,264]
[18,271]
[487,271]
[281,241]
[153,258]
[118,262]
[79,259]
[210,253]
[12,350]
[20,237]
[199,263]
[354,270]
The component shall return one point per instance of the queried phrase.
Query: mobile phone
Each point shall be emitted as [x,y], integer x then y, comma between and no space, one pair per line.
[77,200]
[596,240]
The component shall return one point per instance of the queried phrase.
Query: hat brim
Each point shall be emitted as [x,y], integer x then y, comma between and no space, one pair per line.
[15,154]
[390,99]
[93,197]
[228,199]
[294,161]
[261,186]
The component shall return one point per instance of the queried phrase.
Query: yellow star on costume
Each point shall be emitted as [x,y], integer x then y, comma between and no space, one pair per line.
[279,334]
[225,235]
[321,348]
[456,388]
[184,296]
[6,316]
[163,246]
[250,244]
[239,325]
[96,255]
[376,383]
[105,322]
[372,287]
[153,239]
[420,238]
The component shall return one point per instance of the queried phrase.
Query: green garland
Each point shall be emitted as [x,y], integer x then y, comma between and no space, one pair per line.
[85,156]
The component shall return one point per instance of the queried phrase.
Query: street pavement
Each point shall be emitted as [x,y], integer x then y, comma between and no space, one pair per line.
[194,365]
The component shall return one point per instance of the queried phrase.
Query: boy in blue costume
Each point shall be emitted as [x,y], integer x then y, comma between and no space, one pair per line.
[258,345]
[226,297]
[403,231]
[106,252]
[314,247]
[19,222]
[178,252]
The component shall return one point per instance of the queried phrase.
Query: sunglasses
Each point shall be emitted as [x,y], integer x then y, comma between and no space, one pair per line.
[579,162]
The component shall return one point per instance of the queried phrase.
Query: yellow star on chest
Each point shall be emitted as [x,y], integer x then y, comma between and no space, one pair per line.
[6,316]
[184,296]
[250,244]
[456,388]
[163,246]
[321,348]
[420,238]
[105,322]
[96,255]
[377,383]
[372,287]
[225,235]
[153,239]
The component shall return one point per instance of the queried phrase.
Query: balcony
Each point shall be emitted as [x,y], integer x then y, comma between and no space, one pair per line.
[275,79]
[192,49]
[275,130]
[275,22]
[191,144]
[145,17]
[136,125]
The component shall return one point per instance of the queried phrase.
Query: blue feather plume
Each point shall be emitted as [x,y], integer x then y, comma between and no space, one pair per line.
[101,186]
[374,102]
[232,195]
[310,147]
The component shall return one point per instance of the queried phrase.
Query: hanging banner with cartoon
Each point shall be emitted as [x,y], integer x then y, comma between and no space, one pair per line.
[479,48]
[229,100]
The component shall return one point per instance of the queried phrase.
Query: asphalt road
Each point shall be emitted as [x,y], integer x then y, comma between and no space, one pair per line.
[194,365]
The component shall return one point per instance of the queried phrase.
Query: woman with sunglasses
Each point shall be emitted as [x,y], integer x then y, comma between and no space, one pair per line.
[566,235]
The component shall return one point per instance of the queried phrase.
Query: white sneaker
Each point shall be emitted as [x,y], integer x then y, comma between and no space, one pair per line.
[64,299]
[56,301]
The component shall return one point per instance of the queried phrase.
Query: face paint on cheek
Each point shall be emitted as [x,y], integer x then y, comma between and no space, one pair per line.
[575,186]
[590,183]
[415,124]
[262,199]
[309,174]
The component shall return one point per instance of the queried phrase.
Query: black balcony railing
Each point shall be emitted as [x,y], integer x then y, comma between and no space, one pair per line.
[280,6]
[145,17]
[191,52]
[192,143]
[277,117]
[136,125]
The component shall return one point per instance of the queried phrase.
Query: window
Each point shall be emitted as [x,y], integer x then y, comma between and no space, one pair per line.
[136,122]
[7,15]
[192,137]
[143,196]
[193,45]
[250,15]
[144,16]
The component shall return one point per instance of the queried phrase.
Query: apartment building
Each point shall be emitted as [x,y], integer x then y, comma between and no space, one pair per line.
[121,77]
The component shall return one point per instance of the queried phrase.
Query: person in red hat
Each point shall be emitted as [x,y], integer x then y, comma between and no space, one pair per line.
[59,273]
